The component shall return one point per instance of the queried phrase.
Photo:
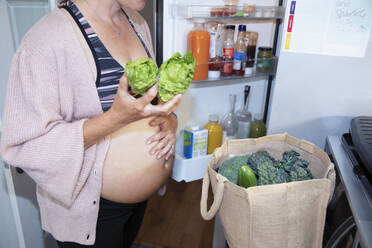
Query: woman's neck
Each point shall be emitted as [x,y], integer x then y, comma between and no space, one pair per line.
[106,10]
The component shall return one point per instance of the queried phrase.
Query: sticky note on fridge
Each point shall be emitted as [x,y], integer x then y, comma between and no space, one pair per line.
[287,41]
[195,142]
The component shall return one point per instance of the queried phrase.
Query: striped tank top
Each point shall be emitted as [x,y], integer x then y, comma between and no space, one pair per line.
[109,71]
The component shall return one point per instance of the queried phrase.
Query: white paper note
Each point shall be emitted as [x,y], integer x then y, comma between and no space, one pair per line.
[337,27]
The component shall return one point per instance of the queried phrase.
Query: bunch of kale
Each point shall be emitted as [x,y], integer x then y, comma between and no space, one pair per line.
[268,170]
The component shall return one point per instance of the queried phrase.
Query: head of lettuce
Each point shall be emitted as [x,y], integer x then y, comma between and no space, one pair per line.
[141,74]
[175,75]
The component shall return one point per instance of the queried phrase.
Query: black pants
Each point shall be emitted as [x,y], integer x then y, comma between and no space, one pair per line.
[117,225]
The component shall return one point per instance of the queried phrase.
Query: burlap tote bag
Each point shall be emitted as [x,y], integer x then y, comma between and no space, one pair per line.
[281,215]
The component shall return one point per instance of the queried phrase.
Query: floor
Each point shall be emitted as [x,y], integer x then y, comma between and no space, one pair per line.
[174,220]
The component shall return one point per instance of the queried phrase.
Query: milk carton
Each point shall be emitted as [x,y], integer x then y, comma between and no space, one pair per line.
[195,142]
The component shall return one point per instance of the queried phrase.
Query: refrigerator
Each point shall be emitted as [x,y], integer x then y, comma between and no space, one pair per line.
[321,79]
[173,21]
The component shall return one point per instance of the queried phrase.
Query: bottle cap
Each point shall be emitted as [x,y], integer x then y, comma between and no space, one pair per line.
[247,88]
[242,28]
[213,118]
[230,27]
[195,128]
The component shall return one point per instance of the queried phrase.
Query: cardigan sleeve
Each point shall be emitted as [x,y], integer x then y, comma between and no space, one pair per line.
[35,135]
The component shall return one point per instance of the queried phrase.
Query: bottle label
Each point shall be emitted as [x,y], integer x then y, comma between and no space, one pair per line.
[228,60]
[212,48]
[238,59]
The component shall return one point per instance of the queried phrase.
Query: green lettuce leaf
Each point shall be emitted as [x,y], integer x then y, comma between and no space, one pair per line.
[175,75]
[141,74]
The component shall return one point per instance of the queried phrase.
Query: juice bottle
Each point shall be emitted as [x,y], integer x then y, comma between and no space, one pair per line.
[214,133]
[198,41]
[239,52]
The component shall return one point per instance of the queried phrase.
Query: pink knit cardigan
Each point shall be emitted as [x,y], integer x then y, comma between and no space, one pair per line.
[51,92]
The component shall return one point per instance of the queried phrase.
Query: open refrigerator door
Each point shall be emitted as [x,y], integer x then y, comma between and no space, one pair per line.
[175,20]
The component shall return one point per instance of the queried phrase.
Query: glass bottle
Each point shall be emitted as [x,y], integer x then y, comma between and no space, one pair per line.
[239,52]
[244,116]
[251,41]
[214,133]
[229,122]
[258,128]
[228,51]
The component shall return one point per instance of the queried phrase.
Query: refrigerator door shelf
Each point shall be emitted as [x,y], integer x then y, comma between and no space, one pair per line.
[225,14]
[189,169]
[237,79]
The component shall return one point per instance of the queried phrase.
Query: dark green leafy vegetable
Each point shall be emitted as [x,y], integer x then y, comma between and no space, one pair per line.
[268,170]
[175,75]
[230,168]
[141,74]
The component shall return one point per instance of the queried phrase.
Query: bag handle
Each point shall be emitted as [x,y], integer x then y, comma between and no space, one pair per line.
[208,215]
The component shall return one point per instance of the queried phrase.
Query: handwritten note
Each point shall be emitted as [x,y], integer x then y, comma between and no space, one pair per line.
[337,27]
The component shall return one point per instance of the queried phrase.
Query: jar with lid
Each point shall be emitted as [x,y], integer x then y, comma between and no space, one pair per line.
[264,59]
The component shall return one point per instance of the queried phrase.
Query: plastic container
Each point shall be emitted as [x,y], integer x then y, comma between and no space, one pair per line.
[198,42]
[214,133]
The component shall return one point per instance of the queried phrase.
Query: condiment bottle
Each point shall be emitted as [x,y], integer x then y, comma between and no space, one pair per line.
[239,52]
[228,51]
[214,133]
[258,128]
[251,39]
[198,41]
[215,50]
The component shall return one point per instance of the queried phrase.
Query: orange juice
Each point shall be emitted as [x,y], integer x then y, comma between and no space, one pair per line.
[198,42]
[214,133]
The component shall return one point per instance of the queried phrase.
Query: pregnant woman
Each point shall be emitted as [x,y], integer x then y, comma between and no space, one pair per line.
[95,151]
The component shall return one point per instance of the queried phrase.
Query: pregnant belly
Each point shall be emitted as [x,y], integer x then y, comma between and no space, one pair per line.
[130,173]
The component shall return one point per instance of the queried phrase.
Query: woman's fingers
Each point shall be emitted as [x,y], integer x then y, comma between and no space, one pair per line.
[159,146]
[170,153]
[156,137]
[157,121]
[123,83]
[164,151]
[168,107]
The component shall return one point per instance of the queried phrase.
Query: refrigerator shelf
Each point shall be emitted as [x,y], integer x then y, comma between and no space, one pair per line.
[234,79]
[227,13]
[189,169]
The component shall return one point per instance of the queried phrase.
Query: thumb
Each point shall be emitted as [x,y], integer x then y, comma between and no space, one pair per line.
[150,95]
[123,83]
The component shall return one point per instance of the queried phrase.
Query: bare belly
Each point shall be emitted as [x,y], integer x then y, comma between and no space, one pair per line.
[130,173]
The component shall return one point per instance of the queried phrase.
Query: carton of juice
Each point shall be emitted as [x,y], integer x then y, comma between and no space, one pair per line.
[195,142]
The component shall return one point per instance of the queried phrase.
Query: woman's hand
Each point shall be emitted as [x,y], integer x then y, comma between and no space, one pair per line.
[166,137]
[127,109]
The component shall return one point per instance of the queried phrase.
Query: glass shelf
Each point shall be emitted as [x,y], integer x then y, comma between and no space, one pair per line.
[234,79]
[227,13]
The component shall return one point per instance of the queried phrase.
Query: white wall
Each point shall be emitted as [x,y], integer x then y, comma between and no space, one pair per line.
[317,95]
